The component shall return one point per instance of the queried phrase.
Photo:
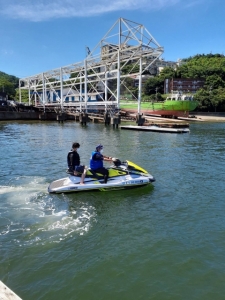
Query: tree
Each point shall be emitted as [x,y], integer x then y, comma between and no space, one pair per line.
[152,84]
[214,82]
[24,95]
[203,98]
[217,98]
[130,68]
[7,87]
[167,73]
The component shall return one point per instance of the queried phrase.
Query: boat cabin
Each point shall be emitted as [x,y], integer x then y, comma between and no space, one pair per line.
[180,97]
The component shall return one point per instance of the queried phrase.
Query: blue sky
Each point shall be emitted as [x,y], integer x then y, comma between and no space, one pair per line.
[40,35]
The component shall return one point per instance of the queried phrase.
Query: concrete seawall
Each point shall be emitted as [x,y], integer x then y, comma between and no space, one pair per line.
[48,116]
[13,115]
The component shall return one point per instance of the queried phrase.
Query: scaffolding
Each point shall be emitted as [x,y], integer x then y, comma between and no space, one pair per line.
[125,52]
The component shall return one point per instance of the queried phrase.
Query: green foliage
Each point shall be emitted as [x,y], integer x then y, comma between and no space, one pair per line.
[130,68]
[153,85]
[202,66]
[167,72]
[24,96]
[211,100]
[210,67]
[214,82]
[8,84]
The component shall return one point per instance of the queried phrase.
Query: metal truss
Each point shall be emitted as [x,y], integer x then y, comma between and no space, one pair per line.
[126,51]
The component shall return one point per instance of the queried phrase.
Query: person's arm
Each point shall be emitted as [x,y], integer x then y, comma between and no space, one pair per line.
[107,158]
[98,156]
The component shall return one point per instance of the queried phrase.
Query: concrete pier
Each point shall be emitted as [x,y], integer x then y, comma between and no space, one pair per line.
[6,293]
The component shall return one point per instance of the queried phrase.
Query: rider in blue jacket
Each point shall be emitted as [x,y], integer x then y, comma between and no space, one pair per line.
[96,162]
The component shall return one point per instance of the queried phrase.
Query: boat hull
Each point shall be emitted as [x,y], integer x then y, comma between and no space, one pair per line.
[166,108]
[156,128]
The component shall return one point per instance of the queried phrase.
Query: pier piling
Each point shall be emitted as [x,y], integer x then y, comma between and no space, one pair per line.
[83,118]
[61,117]
[115,120]
[43,116]
[106,118]
[140,120]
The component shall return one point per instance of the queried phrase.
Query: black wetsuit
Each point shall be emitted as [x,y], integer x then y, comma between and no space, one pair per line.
[73,159]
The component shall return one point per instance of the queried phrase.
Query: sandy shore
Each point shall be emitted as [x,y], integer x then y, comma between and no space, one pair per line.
[209,117]
[204,117]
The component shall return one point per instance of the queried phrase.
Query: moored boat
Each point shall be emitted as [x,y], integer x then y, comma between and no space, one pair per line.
[178,105]
[157,128]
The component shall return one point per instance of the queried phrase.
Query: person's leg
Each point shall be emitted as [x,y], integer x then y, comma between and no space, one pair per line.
[106,176]
[83,176]
[104,172]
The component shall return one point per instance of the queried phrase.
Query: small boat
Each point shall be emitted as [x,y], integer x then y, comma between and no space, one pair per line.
[157,128]
[122,175]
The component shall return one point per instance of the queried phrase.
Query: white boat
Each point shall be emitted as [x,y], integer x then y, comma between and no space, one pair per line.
[157,128]
[122,175]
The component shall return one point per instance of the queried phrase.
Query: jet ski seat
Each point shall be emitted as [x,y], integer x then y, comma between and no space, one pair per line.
[69,172]
[94,174]
[72,174]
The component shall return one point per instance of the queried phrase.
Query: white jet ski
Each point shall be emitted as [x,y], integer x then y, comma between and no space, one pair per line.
[122,175]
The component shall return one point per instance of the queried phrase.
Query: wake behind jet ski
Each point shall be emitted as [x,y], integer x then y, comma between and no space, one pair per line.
[122,175]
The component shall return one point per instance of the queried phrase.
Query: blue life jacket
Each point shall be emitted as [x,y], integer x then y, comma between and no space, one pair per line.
[96,163]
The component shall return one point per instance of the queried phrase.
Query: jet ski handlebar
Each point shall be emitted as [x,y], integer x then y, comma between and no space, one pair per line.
[117,162]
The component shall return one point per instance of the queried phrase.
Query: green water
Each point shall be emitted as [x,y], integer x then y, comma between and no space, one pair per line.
[165,241]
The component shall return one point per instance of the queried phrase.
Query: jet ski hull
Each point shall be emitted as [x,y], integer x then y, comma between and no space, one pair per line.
[67,185]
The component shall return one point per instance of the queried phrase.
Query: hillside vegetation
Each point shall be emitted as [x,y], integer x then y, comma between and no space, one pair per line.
[8,84]
[210,67]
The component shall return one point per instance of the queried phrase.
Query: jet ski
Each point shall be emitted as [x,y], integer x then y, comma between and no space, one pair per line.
[122,175]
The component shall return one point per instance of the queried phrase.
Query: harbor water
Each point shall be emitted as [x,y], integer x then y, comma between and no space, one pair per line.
[163,241]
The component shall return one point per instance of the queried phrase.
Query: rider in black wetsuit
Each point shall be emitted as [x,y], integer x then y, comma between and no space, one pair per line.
[73,162]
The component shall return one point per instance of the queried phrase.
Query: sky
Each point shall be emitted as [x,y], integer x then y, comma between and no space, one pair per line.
[42,35]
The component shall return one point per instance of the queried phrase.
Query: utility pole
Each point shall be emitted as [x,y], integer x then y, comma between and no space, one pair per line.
[210,91]
[156,94]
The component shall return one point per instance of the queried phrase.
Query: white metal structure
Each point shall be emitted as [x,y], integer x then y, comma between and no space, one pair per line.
[126,51]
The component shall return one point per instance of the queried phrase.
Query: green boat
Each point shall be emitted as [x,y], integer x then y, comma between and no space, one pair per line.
[176,105]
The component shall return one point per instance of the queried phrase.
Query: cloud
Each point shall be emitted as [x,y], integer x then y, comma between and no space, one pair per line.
[41,10]
[6,52]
